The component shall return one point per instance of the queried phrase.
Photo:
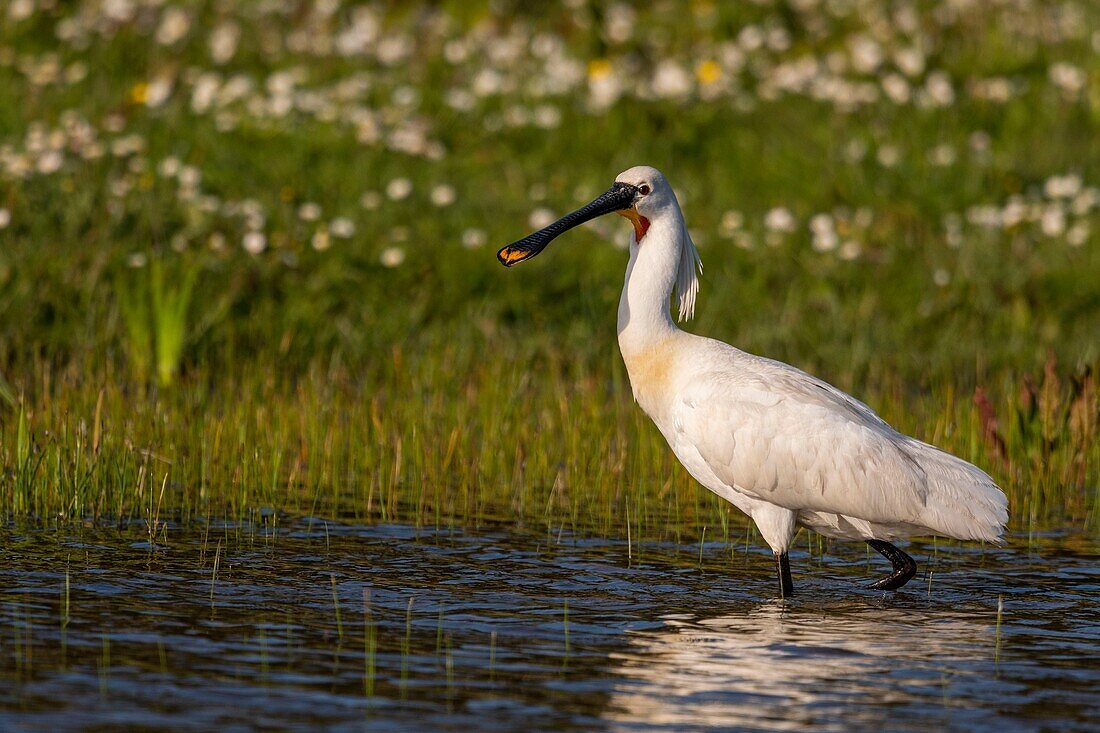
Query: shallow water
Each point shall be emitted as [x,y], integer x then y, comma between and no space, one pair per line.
[505,629]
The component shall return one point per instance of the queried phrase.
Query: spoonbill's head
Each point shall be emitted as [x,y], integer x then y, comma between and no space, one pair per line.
[654,197]
[639,194]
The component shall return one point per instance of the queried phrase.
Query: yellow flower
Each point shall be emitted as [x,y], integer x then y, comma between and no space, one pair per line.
[139,93]
[599,68]
[708,72]
[702,8]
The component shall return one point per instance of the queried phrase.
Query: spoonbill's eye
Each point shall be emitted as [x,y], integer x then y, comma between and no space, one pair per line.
[644,189]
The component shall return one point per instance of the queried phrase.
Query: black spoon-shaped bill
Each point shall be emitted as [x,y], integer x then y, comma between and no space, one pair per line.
[618,197]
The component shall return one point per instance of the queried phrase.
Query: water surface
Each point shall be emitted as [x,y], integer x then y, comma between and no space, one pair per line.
[392,627]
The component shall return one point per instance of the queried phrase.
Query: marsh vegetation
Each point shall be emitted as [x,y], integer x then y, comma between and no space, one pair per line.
[247,271]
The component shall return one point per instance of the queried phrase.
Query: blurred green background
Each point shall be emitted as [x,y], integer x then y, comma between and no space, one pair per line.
[247,247]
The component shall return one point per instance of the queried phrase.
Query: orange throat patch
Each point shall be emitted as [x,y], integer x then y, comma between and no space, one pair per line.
[641,224]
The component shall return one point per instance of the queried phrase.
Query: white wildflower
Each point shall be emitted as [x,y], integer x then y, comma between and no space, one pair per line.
[939,89]
[254,242]
[309,211]
[732,221]
[743,240]
[619,24]
[994,89]
[158,91]
[750,38]
[1053,221]
[204,92]
[779,219]
[850,250]
[443,195]
[671,81]
[821,223]
[1014,212]
[1069,78]
[392,257]
[169,167]
[50,162]
[223,42]
[980,142]
[487,82]
[399,188]
[910,61]
[866,53]
[540,218]
[342,227]
[604,88]
[460,99]
[547,116]
[1085,201]
[778,39]
[1078,234]
[456,51]
[942,155]
[888,156]
[405,96]
[825,241]
[474,238]
[392,49]
[1057,187]
[120,11]
[174,25]
[190,176]
[20,10]
[825,238]
[896,88]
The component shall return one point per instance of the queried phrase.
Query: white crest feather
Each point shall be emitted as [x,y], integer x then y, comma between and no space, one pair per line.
[687,277]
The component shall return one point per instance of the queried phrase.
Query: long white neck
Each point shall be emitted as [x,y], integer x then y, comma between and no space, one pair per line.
[644,318]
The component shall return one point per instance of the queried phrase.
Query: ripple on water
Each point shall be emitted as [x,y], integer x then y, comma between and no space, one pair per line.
[502,629]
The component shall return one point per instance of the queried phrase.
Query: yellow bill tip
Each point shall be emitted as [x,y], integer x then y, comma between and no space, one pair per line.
[509,256]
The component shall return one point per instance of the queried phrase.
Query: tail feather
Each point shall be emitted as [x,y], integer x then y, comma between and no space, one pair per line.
[962,502]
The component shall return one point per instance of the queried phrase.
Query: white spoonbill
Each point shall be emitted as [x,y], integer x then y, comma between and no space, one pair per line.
[782,446]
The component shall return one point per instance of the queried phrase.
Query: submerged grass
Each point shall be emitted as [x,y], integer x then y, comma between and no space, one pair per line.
[217,304]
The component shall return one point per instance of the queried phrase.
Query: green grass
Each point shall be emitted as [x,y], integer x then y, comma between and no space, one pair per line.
[155,313]
[136,359]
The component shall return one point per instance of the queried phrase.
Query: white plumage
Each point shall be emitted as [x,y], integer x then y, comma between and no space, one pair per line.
[783,446]
[764,431]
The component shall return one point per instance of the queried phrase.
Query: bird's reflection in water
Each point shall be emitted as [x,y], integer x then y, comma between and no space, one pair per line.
[782,667]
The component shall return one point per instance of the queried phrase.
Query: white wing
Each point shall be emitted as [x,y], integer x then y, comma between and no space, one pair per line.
[781,436]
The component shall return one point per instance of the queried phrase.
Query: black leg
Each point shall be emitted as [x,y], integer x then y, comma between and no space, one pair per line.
[783,567]
[904,566]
